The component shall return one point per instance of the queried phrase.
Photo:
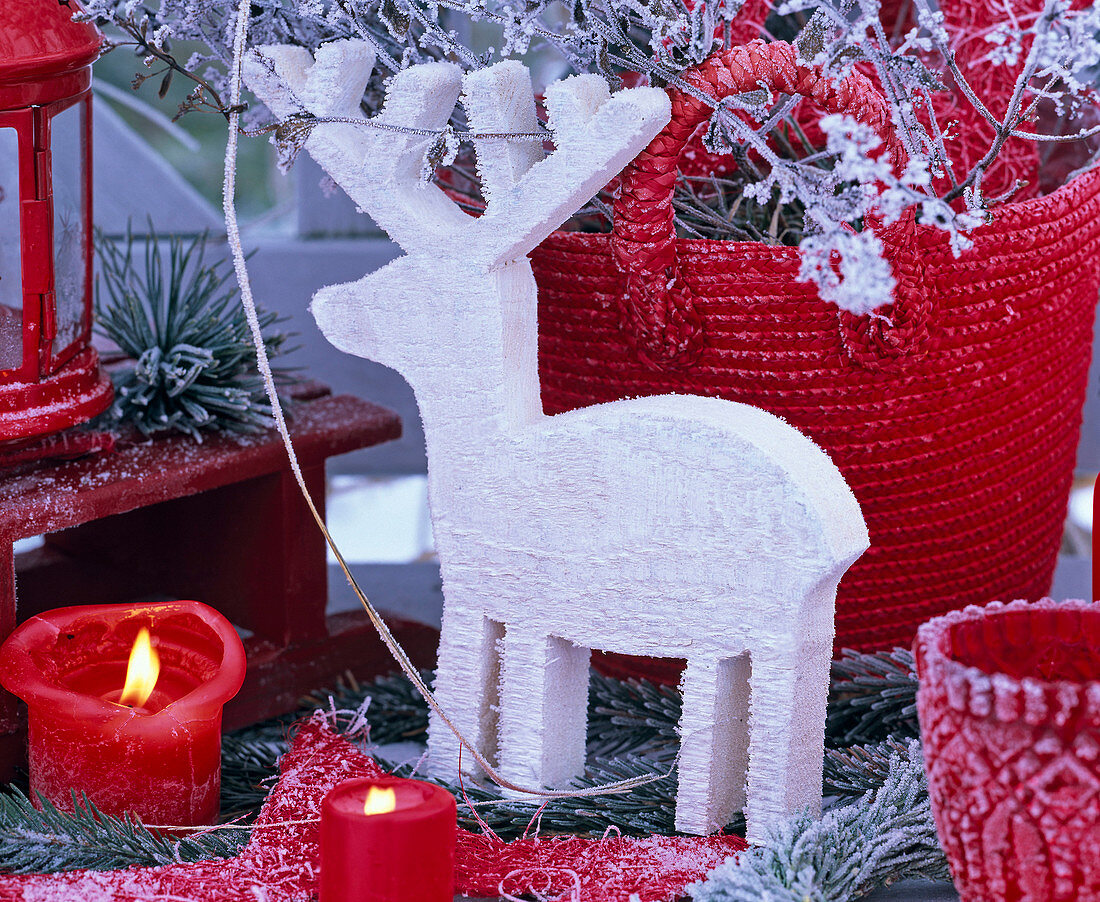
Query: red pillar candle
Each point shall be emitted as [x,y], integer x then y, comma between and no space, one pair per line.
[160,761]
[400,849]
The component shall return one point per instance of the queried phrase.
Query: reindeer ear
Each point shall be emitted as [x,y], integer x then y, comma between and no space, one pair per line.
[420,97]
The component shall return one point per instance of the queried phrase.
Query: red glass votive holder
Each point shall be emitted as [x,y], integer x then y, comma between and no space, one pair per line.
[392,856]
[1009,708]
[160,762]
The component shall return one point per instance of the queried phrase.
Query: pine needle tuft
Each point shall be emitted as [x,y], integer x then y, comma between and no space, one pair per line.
[48,840]
[873,698]
[180,321]
[886,835]
[860,768]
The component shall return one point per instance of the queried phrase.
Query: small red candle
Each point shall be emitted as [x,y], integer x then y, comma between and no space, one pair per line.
[387,839]
[154,752]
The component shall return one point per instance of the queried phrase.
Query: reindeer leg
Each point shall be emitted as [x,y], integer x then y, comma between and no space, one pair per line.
[466,686]
[713,743]
[785,749]
[543,708]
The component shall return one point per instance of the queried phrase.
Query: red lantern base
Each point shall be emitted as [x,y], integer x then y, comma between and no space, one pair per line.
[61,446]
[74,394]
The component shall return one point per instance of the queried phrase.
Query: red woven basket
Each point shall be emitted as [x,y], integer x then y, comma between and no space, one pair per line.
[955,421]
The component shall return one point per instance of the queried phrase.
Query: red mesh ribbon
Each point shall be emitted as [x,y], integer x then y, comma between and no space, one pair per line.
[658,306]
[280,864]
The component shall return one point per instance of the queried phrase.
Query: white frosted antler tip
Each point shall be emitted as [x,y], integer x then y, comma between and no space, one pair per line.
[276,73]
[500,100]
[335,84]
[573,101]
[423,96]
[650,108]
[500,82]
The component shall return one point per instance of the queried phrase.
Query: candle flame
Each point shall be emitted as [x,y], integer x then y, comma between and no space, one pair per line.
[380,800]
[141,672]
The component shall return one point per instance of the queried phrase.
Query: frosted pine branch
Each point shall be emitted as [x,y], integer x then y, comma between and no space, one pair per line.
[47,840]
[886,835]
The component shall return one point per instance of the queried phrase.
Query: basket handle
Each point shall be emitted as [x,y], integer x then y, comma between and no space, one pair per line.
[664,326]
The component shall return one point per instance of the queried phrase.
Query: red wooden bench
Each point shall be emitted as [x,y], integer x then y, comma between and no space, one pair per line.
[222,522]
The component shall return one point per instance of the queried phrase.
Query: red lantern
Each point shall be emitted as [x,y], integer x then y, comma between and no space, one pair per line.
[49,373]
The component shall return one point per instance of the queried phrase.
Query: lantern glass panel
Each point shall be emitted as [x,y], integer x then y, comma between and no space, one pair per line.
[70,240]
[11,258]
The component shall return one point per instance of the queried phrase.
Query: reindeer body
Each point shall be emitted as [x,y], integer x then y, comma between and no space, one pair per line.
[670,526]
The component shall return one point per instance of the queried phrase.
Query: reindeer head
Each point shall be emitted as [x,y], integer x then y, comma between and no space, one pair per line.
[456,292]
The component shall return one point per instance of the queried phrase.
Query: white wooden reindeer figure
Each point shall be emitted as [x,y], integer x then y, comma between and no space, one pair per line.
[669,526]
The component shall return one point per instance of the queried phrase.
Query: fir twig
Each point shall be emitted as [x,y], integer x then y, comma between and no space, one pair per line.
[643,811]
[860,768]
[632,716]
[50,840]
[632,733]
[873,697]
[250,767]
[195,365]
[886,835]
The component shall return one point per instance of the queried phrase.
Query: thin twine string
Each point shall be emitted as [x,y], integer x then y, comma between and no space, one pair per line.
[264,366]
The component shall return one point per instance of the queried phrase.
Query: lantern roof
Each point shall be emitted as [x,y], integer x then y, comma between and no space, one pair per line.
[38,38]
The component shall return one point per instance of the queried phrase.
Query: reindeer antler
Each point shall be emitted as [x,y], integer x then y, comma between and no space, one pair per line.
[596,134]
[528,196]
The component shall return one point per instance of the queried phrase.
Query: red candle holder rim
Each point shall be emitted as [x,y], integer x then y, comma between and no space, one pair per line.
[21,676]
[935,662]
[434,799]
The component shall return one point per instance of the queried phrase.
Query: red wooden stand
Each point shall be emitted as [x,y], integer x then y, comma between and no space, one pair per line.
[222,522]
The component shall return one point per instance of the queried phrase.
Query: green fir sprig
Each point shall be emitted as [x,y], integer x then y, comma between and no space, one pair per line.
[178,317]
[645,810]
[631,728]
[873,697]
[631,732]
[884,836]
[48,840]
[878,828]
[250,767]
[858,769]
[632,717]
